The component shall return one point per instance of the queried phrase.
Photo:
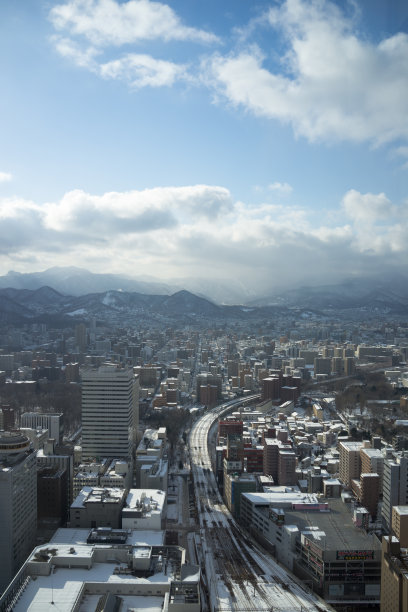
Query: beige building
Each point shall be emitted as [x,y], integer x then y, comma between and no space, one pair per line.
[394,576]
[400,524]
[350,462]
[372,461]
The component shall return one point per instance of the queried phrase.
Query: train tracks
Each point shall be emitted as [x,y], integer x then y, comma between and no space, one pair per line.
[239,576]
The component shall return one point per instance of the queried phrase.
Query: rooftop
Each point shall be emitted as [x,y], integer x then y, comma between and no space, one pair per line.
[352,446]
[340,533]
[373,452]
[54,578]
[98,495]
[145,499]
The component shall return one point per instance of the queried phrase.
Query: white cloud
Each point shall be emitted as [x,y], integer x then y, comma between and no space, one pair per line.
[81,56]
[331,85]
[5,177]
[368,207]
[134,211]
[108,22]
[280,187]
[143,70]
[199,230]
[89,29]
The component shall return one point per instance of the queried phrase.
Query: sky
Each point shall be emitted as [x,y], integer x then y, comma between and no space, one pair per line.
[261,144]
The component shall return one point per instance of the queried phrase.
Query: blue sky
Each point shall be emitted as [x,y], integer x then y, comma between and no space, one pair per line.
[264,143]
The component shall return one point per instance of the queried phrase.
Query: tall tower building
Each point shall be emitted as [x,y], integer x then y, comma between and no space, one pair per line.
[110,412]
[18,503]
[81,337]
[395,485]
[350,462]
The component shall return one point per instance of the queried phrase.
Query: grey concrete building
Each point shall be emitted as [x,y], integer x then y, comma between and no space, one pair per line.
[18,503]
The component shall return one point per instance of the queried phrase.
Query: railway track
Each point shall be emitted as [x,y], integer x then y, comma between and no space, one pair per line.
[239,575]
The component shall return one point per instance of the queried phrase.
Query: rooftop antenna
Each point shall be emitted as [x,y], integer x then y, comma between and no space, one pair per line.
[52,585]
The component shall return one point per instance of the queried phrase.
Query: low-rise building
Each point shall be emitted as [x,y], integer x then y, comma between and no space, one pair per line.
[98,507]
[144,509]
[317,540]
[123,571]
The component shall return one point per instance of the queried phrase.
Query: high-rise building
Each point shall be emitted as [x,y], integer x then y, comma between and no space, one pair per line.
[372,461]
[110,412]
[322,365]
[7,418]
[80,337]
[205,379]
[350,462]
[18,503]
[395,485]
[400,524]
[394,576]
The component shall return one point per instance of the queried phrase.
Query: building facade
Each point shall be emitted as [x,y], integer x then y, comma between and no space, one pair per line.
[18,503]
[110,408]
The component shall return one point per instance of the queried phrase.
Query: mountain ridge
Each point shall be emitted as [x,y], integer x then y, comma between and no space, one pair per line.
[388,294]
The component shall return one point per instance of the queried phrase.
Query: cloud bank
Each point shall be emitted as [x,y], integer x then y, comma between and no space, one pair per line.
[201,230]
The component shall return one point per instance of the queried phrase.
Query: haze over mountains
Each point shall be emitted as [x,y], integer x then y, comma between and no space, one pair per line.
[62,293]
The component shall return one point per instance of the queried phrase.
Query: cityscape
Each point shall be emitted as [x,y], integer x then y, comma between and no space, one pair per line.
[204,306]
[194,462]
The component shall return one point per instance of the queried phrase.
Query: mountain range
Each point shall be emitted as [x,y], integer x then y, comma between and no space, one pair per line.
[77,294]
[19,306]
[72,280]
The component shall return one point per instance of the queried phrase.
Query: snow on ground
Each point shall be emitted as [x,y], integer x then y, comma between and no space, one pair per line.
[75,313]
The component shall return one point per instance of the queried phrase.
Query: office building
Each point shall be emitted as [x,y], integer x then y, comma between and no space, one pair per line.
[105,569]
[61,459]
[144,509]
[18,503]
[110,406]
[7,418]
[81,339]
[98,507]
[317,540]
[52,495]
[322,365]
[211,381]
[52,421]
[234,485]
[395,484]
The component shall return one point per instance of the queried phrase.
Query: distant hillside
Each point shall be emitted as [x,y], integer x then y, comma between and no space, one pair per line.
[75,292]
[383,294]
[18,306]
[78,281]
